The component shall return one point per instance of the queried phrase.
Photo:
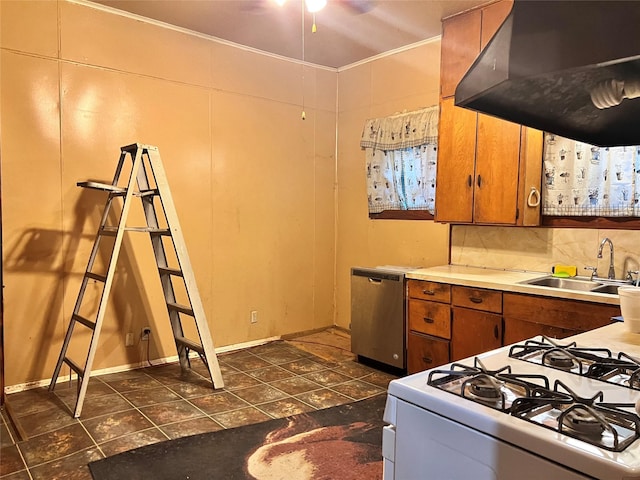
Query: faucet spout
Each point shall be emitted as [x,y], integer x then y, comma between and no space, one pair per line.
[612,270]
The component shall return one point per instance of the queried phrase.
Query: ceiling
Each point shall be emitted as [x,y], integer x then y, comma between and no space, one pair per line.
[347,30]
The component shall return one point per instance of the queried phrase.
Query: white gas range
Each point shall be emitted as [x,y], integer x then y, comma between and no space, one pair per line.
[528,411]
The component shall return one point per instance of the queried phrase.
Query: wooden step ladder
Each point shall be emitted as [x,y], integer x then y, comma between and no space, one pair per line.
[149,175]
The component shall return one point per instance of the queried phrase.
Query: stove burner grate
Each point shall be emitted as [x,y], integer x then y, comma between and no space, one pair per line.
[587,419]
[596,363]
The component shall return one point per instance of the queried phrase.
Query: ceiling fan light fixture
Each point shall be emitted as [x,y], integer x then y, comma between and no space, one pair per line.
[315,5]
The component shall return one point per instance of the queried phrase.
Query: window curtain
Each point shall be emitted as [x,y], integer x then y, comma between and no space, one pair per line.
[584,180]
[401,159]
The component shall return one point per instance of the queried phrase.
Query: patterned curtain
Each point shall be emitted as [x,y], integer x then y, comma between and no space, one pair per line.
[585,180]
[401,158]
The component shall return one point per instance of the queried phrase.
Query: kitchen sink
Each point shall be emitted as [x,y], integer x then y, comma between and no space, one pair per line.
[612,289]
[585,285]
[581,284]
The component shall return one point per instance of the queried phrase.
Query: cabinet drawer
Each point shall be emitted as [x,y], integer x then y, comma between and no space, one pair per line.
[561,313]
[435,292]
[477,298]
[425,352]
[430,317]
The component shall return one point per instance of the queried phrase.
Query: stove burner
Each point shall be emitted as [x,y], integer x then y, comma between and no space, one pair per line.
[582,422]
[484,388]
[559,359]
[596,363]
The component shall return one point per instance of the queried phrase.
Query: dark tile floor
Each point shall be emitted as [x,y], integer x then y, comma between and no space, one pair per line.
[139,407]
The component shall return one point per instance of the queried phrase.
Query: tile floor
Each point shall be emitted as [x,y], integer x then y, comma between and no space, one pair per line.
[139,407]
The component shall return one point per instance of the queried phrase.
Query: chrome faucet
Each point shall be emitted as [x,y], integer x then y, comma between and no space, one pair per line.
[612,270]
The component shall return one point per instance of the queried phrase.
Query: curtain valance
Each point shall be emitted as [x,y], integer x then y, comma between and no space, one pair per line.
[403,130]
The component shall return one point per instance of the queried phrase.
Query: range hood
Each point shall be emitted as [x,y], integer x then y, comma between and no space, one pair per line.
[566,67]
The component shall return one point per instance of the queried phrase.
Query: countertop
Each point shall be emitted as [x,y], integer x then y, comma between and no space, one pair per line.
[617,335]
[505,280]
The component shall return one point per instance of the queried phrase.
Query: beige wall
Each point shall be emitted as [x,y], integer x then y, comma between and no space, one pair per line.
[407,80]
[253,184]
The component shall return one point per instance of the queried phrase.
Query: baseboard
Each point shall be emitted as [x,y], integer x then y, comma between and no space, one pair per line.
[9,389]
[304,333]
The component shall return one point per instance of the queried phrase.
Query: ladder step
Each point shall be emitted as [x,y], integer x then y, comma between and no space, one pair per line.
[180,308]
[95,276]
[103,186]
[151,230]
[147,193]
[170,271]
[87,323]
[191,345]
[112,231]
[74,366]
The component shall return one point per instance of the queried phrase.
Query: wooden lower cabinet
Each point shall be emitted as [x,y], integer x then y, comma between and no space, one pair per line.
[526,316]
[424,352]
[518,330]
[474,332]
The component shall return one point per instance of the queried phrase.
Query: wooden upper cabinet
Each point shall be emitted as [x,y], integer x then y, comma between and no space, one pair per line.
[487,167]
[463,37]
[497,169]
[460,46]
[455,176]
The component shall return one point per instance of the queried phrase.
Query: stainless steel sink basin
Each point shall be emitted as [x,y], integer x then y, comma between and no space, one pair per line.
[611,289]
[581,284]
[585,285]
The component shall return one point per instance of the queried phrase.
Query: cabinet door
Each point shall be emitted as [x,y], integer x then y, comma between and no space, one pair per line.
[518,330]
[474,332]
[459,48]
[497,168]
[456,157]
[425,352]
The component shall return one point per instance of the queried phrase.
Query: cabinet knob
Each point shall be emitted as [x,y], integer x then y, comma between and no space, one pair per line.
[475,299]
[495,332]
[428,292]
[428,320]
[469,180]
[427,359]
[479,181]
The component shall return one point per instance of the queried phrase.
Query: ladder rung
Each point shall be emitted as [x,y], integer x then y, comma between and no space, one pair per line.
[151,230]
[180,308]
[103,186]
[110,231]
[95,276]
[74,366]
[170,271]
[84,321]
[191,345]
[147,193]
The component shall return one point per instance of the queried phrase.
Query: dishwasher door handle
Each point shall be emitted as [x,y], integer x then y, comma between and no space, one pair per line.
[377,281]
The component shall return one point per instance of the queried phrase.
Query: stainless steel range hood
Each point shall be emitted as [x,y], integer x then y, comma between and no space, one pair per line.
[552,62]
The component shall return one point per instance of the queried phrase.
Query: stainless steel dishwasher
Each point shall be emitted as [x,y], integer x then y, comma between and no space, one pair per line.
[377,314]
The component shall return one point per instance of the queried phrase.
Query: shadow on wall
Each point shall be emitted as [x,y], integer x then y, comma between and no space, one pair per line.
[49,256]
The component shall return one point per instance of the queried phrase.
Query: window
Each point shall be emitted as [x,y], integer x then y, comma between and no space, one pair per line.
[585,185]
[401,159]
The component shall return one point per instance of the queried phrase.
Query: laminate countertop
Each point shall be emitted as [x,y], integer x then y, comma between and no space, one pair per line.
[505,280]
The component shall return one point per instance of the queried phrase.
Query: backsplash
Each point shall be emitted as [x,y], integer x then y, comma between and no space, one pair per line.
[538,249]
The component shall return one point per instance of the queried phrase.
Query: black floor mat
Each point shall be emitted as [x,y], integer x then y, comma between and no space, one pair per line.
[341,442]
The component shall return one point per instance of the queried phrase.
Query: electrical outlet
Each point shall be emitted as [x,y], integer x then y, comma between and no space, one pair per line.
[254,316]
[144,336]
[128,342]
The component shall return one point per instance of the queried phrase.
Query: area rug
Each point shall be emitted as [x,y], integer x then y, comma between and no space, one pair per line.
[338,443]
